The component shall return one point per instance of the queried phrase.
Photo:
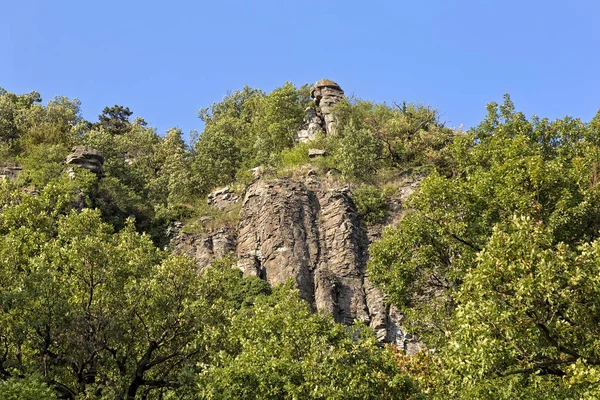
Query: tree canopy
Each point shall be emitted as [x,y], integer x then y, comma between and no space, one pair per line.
[493,264]
[493,261]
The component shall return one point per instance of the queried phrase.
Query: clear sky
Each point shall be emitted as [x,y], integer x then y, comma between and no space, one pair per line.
[167,59]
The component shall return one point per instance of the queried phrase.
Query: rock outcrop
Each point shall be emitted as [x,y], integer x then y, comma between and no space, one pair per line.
[312,125]
[9,173]
[206,247]
[86,157]
[310,233]
[222,198]
[313,153]
[325,94]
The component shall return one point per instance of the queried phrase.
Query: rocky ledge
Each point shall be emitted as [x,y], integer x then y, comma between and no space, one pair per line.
[86,157]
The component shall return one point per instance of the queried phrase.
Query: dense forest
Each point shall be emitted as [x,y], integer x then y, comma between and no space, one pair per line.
[493,261]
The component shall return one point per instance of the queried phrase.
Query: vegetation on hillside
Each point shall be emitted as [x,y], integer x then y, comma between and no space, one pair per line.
[496,265]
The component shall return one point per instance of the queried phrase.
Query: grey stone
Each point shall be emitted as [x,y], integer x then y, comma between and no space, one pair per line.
[257,171]
[312,125]
[222,198]
[325,94]
[9,173]
[204,248]
[88,158]
[312,153]
[312,234]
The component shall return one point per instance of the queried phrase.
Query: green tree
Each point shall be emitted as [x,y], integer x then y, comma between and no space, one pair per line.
[115,119]
[217,160]
[507,167]
[27,388]
[370,204]
[128,169]
[527,308]
[357,153]
[59,123]
[90,310]
[280,349]
[248,128]
[409,135]
[277,118]
[499,169]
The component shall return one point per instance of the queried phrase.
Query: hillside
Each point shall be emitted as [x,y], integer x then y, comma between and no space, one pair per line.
[305,244]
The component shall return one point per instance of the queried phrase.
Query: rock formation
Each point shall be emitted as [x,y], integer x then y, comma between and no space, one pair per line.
[206,247]
[222,198]
[313,124]
[313,153]
[326,94]
[312,234]
[9,173]
[86,157]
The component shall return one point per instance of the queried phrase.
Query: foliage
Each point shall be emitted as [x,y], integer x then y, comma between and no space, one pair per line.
[28,388]
[490,265]
[494,264]
[144,174]
[295,156]
[100,312]
[407,135]
[173,181]
[217,161]
[528,307]
[370,203]
[115,119]
[357,154]
[11,107]
[246,129]
[105,314]
[42,164]
[279,349]
[207,218]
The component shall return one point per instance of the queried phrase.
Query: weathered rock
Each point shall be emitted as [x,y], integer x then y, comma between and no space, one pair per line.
[313,153]
[206,247]
[257,172]
[313,236]
[88,158]
[10,173]
[326,94]
[222,198]
[174,230]
[278,234]
[312,125]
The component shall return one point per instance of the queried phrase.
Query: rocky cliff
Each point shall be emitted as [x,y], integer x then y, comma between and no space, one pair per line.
[309,231]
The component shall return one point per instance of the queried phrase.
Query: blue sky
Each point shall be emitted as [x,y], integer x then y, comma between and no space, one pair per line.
[165,60]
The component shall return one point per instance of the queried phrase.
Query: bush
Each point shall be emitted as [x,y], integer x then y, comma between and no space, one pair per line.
[358,153]
[25,389]
[295,156]
[371,204]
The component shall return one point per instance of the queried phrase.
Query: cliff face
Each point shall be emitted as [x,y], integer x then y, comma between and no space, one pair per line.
[306,231]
